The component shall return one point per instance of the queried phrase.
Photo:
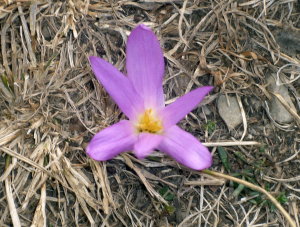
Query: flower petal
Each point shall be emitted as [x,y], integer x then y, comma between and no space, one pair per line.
[145,144]
[145,65]
[177,110]
[118,86]
[111,141]
[185,149]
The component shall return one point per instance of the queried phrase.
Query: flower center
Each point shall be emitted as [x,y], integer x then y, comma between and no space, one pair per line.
[148,122]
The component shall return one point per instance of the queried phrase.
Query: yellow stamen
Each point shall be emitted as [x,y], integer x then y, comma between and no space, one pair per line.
[148,122]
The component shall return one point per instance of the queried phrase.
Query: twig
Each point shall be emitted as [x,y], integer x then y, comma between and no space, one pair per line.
[256,188]
[231,143]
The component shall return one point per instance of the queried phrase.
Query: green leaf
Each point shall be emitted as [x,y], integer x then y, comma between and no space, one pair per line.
[7,161]
[50,60]
[163,191]
[169,196]
[166,194]
[7,84]
[282,198]
[241,156]
[238,190]
[224,158]
[210,126]
[170,209]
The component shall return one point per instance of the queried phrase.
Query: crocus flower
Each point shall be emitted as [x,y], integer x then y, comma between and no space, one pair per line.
[151,125]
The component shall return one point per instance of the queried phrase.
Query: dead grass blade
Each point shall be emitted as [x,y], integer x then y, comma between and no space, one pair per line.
[143,179]
[39,218]
[11,204]
[8,134]
[103,183]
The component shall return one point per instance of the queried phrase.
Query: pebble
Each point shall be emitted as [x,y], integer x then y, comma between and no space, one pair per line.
[229,111]
[277,111]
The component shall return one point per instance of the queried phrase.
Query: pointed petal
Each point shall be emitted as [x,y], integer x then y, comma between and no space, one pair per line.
[118,86]
[145,65]
[185,149]
[111,141]
[145,144]
[177,110]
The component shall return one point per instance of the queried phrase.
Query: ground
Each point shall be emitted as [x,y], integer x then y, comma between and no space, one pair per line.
[51,105]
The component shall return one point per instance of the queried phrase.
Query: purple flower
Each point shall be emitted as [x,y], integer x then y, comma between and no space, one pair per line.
[151,124]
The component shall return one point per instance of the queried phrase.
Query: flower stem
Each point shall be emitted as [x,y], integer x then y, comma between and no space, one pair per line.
[256,188]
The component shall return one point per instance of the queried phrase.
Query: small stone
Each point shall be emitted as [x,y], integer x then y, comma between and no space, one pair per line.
[206,110]
[288,39]
[229,111]
[46,33]
[182,82]
[277,111]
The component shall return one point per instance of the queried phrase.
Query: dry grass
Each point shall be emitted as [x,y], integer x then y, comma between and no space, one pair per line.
[51,105]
